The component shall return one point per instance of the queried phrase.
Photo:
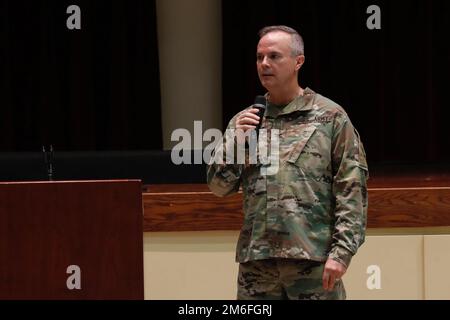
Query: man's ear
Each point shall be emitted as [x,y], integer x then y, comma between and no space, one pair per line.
[299,60]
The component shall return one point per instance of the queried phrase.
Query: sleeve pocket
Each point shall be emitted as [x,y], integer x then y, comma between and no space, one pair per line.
[362,161]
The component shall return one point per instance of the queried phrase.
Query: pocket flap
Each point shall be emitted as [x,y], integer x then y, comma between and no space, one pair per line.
[306,133]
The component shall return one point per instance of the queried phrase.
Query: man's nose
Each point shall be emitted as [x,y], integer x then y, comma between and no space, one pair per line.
[265,62]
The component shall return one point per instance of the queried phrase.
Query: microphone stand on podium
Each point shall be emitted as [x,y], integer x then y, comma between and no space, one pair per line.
[48,157]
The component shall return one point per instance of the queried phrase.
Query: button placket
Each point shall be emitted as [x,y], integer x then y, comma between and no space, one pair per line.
[273,189]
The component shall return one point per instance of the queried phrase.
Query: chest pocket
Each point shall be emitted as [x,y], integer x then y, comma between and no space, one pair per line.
[311,156]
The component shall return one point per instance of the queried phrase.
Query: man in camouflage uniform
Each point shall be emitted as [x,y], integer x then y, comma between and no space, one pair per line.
[304,223]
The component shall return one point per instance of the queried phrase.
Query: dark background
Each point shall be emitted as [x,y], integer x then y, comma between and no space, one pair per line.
[97,89]
[91,89]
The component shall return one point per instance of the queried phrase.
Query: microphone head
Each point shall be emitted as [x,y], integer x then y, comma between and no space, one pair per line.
[260,101]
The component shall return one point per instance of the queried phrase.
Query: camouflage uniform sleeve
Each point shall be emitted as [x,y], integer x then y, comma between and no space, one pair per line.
[350,174]
[224,178]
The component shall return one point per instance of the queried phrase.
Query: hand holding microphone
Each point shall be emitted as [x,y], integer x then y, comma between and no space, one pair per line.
[251,118]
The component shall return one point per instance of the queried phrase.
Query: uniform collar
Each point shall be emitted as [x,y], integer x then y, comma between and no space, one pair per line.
[301,103]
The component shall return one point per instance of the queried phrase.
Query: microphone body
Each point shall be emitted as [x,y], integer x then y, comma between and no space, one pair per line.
[260,104]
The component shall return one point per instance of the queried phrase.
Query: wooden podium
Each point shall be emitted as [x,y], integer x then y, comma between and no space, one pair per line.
[71,240]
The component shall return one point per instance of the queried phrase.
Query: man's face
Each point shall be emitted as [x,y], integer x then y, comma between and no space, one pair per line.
[274,61]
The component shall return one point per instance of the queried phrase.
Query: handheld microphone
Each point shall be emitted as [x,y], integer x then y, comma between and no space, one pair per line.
[260,104]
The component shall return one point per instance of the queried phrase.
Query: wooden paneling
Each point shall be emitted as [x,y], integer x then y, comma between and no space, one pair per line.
[188,211]
[409,207]
[47,226]
[420,200]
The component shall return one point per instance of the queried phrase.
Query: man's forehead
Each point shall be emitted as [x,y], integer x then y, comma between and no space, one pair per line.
[274,41]
[276,37]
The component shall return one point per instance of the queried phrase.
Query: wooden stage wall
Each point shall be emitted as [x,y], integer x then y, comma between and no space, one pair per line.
[408,201]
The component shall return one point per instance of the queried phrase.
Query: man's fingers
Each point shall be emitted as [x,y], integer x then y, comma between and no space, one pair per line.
[333,271]
[247,118]
[246,127]
[254,110]
[244,121]
[325,279]
[331,282]
[250,115]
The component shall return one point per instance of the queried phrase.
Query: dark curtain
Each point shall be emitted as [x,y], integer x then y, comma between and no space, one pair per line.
[392,82]
[91,89]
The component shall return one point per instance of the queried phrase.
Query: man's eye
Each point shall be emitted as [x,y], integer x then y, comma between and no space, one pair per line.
[274,56]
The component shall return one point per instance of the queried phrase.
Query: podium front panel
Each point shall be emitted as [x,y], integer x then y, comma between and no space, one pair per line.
[71,240]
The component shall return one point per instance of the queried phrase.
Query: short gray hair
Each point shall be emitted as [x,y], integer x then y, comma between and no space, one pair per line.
[297,40]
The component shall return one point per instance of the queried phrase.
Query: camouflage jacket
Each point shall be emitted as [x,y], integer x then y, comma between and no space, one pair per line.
[315,206]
